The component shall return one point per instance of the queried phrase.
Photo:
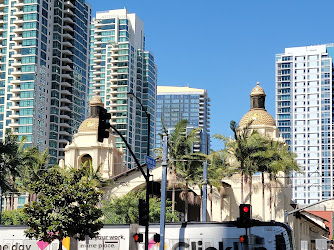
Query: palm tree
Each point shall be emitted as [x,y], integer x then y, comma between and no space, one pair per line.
[32,167]
[274,158]
[284,162]
[241,150]
[183,161]
[217,170]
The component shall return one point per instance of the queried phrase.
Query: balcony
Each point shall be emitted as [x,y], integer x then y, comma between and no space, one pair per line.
[65,100]
[68,12]
[66,76]
[15,116]
[18,21]
[68,28]
[14,125]
[65,84]
[19,4]
[67,52]
[63,141]
[67,44]
[66,60]
[64,116]
[69,4]
[65,125]
[17,73]
[18,38]
[66,67]
[15,90]
[63,132]
[15,107]
[68,36]
[65,108]
[68,20]
[65,92]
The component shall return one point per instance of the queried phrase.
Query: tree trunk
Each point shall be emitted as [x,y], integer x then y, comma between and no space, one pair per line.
[186,204]
[211,203]
[250,189]
[263,198]
[221,206]
[173,192]
[270,201]
[173,200]
[275,198]
[13,201]
[242,188]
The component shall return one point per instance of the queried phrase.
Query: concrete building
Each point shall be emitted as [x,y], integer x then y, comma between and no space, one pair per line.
[119,64]
[85,146]
[177,103]
[44,70]
[304,113]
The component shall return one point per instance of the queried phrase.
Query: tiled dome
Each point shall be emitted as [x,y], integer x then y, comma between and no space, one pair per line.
[258,116]
[90,124]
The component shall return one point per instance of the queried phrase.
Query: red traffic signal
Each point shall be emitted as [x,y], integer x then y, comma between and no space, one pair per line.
[245,216]
[243,239]
[138,237]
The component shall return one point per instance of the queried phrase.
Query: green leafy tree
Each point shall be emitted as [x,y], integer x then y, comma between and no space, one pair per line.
[10,160]
[13,217]
[121,210]
[33,166]
[66,206]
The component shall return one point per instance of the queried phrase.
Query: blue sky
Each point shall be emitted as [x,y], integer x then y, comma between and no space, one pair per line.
[226,46]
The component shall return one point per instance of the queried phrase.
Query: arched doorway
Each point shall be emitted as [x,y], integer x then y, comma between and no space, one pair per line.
[85,158]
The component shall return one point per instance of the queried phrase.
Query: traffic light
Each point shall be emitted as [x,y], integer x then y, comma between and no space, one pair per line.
[138,237]
[104,125]
[143,212]
[243,239]
[245,216]
[156,238]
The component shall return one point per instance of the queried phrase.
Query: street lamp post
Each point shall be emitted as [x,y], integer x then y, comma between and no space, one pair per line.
[148,171]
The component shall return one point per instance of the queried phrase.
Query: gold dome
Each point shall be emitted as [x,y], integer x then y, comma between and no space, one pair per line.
[96,101]
[258,116]
[257,90]
[90,124]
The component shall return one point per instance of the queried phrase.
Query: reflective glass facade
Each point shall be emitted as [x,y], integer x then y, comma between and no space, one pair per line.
[304,113]
[44,70]
[177,103]
[119,64]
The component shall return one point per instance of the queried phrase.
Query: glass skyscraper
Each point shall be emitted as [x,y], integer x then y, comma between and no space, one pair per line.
[44,70]
[119,64]
[177,103]
[304,113]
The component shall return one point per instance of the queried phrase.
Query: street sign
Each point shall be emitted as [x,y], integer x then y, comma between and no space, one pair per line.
[151,163]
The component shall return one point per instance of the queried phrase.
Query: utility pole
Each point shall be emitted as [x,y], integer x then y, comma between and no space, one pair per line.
[163,192]
[205,190]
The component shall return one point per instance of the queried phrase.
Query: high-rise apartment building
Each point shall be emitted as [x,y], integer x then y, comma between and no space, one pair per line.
[44,70]
[304,113]
[119,64]
[177,103]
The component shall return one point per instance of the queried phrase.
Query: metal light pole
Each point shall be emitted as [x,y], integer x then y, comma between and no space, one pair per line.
[163,193]
[205,191]
[148,171]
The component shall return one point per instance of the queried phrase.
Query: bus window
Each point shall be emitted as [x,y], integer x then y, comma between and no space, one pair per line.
[280,242]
